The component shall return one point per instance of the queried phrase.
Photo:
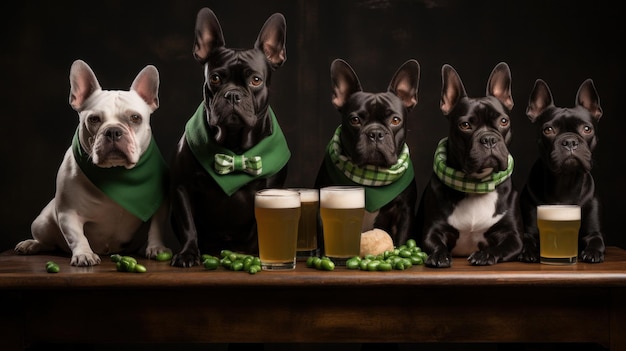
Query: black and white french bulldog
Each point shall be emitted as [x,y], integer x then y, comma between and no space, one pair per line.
[232,145]
[562,174]
[369,149]
[470,207]
[112,183]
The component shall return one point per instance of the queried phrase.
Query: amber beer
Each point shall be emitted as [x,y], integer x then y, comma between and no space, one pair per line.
[277,213]
[342,209]
[308,225]
[558,233]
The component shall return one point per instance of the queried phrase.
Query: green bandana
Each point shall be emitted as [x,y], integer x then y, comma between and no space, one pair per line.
[269,156]
[460,181]
[368,175]
[140,190]
[380,188]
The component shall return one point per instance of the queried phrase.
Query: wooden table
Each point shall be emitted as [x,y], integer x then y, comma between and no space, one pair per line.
[508,302]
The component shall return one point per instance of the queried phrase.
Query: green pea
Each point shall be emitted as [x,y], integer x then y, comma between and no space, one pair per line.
[310,261]
[405,253]
[116,257]
[411,243]
[237,265]
[163,256]
[211,263]
[225,253]
[254,269]
[373,265]
[52,267]
[327,264]
[399,265]
[384,266]
[139,268]
[353,263]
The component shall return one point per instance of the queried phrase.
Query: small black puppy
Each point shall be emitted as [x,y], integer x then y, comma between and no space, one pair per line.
[369,149]
[232,145]
[470,207]
[562,174]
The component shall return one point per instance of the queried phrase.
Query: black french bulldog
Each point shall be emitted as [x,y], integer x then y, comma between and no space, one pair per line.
[562,174]
[232,145]
[369,149]
[470,207]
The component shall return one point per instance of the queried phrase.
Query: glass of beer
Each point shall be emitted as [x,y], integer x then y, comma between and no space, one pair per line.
[308,226]
[342,209]
[558,233]
[277,213]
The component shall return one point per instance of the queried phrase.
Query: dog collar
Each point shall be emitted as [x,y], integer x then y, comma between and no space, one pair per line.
[272,151]
[140,190]
[382,185]
[460,181]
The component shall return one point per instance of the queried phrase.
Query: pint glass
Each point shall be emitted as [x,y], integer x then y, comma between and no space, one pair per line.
[342,209]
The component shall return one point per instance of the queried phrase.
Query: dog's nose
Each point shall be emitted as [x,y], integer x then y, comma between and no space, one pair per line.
[376,135]
[570,144]
[232,96]
[114,134]
[489,141]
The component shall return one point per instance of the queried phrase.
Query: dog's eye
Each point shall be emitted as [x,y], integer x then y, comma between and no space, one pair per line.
[355,121]
[504,122]
[256,81]
[465,126]
[587,130]
[548,130]
[93,119]
[215,79]
[396,121]
[135,119]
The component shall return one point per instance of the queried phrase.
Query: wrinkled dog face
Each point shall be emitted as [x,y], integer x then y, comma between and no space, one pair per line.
[114,125]
[480,128]
[567,136]
[236,88]
[373,125]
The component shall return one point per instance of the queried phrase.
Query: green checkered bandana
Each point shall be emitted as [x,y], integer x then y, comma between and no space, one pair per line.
[368,175]
[222,163]
[460,181]
[140,190]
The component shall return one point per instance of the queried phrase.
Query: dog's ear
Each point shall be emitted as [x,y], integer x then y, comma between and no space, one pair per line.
[405,82]
[344,82]
[83,83]
[499,85]
[587,97]
[208,35]
[272,39]
[146,84]
[540,99]
[452,89]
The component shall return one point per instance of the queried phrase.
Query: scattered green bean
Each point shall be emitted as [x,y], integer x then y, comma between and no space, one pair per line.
[127,264]
[400,258]
[52,267]
[232,261]
[320,263]
[163,256]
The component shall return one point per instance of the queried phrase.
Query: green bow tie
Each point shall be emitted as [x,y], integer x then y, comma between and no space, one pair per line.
[225,164]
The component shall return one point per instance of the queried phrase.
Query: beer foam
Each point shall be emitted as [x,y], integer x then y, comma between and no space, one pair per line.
[340,197]
[558,212]
[308,195]
[277,198]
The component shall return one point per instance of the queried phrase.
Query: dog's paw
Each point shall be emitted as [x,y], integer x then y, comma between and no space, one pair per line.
[592,256]
[27,247]
[85,259]
[186,259]
[528,256]
[482,258]
[438,260]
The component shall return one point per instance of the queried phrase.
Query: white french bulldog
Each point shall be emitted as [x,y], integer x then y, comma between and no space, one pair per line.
[111,185]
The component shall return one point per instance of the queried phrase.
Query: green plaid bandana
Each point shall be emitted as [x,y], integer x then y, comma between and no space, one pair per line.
[140,190]
[273,149]
[368,175]
[460,181]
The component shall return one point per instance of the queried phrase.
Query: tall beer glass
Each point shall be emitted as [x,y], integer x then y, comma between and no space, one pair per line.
[558,233]
[277,213]
[342,209]
[308,228]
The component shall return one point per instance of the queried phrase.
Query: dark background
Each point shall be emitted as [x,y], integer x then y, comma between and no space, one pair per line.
[560,42]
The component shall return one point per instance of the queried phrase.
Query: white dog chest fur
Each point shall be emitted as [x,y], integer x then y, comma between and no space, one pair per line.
[472,217]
